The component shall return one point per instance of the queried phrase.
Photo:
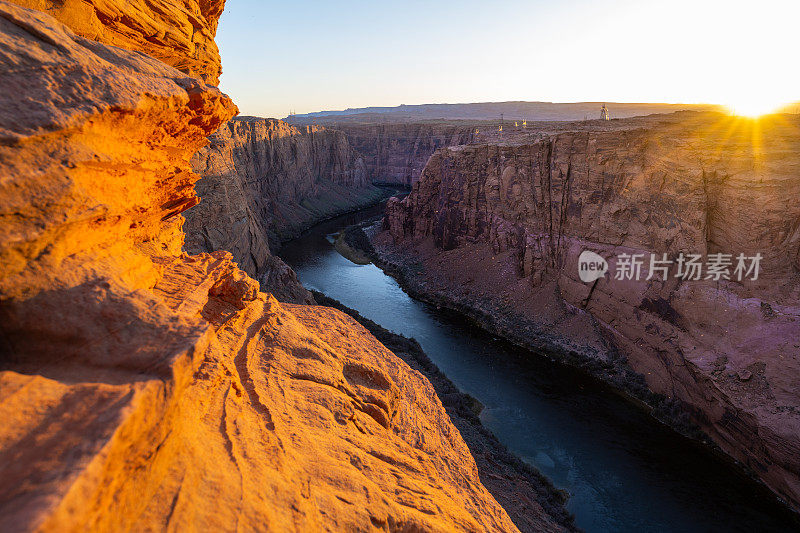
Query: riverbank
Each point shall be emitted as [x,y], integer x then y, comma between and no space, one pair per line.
[524,492]
[613,372]
[409,273]
[329,210]
[353,254]
[622,468]
[333,202]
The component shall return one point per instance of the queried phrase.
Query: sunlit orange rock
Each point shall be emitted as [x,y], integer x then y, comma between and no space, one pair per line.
[181,34]
[142,388]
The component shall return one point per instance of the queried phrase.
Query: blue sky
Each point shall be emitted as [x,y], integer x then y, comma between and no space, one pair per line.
[311,56]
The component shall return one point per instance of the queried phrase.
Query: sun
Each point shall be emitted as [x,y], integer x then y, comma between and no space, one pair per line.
[753,108]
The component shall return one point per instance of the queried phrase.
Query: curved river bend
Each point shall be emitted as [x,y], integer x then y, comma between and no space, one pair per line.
[623,470]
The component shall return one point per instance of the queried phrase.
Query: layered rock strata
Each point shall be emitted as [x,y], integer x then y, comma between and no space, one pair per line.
[523,492]
[396,153]
[496,230]
[265,181]
[142,388]
[180,34]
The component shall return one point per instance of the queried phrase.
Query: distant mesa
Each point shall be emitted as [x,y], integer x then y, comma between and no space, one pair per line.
[511,110]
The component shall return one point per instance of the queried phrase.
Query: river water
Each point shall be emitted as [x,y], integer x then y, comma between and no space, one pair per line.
[623,470]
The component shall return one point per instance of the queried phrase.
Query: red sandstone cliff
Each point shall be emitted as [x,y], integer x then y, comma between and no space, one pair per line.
[181,34]
[397,152]
[498,230]
[265,181]
[142,388]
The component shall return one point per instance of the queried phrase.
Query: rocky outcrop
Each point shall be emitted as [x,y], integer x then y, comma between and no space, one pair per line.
[142,388]
[264,182]
[79,118]
[527,496]
[397,152]
[497,230]
[181,34]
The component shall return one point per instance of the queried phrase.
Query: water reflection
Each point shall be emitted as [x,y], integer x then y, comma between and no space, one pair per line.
[624,471]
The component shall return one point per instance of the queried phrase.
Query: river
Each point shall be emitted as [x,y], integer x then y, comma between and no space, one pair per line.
[624,471]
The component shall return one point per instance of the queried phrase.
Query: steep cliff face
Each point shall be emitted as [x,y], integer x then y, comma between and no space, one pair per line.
[181,34]
[265,181]
[499,229]
[397,152]
[142,388]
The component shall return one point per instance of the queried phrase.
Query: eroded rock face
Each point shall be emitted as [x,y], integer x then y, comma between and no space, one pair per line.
[397,152]
[181,34]
[285,417]
[142,388]
[265,181]
[499,229]
[71,198]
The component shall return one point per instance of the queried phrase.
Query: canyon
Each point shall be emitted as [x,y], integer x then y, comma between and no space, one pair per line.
[494,231]
[395,144]
[263,182]
[146,388]
[395,153]
[162,368]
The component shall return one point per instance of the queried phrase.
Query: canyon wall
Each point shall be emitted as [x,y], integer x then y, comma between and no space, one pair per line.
[180,34]
[264,182]
[397,152]
[142,388]
[496,230]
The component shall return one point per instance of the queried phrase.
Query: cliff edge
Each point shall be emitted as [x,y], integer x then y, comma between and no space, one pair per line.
[180,34]
[264,182]
[496,230]
[142,388]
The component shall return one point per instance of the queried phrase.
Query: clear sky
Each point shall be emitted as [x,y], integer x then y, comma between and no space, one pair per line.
[322,55]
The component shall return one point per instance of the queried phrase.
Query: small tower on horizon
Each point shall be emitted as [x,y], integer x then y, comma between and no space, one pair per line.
[604,113]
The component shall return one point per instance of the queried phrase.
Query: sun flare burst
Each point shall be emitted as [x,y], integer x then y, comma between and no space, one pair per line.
[754,108]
